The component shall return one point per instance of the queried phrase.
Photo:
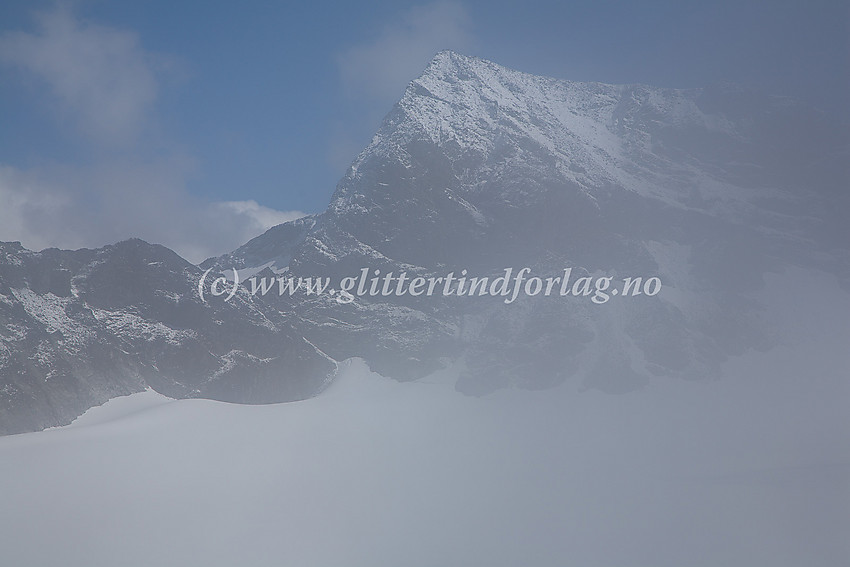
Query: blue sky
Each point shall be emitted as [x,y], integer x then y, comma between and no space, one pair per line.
[199,124]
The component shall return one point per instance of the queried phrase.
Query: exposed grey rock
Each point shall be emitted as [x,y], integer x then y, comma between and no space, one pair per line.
[78,328]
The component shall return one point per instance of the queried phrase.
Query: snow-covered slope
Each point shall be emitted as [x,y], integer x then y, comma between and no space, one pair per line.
[78,328]
[750,471]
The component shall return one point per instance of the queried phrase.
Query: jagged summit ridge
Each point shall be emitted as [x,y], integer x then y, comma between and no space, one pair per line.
[486,118]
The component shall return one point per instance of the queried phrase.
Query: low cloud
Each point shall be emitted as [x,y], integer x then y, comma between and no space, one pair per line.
[72,208]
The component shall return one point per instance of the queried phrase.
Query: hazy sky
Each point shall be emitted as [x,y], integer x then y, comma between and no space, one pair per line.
[199,124]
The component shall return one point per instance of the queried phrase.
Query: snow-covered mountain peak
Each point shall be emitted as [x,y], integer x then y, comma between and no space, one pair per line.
[484,119]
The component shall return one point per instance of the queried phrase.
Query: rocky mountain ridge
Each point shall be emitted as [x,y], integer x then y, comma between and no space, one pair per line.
[477,167]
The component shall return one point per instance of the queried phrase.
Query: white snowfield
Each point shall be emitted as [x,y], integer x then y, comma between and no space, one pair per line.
[749,471]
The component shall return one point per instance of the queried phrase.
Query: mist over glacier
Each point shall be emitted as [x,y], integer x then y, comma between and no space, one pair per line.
[749,470]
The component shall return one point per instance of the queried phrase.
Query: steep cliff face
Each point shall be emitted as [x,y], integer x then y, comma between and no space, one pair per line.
[477,168]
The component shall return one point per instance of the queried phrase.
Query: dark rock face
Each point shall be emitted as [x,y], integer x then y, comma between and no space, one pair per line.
[481,168]
[79,328]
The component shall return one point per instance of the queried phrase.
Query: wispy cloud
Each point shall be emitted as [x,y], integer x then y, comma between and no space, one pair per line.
[99,75]
[381,67]
[104,79]
[375,72]
[256,216]
[29,204]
